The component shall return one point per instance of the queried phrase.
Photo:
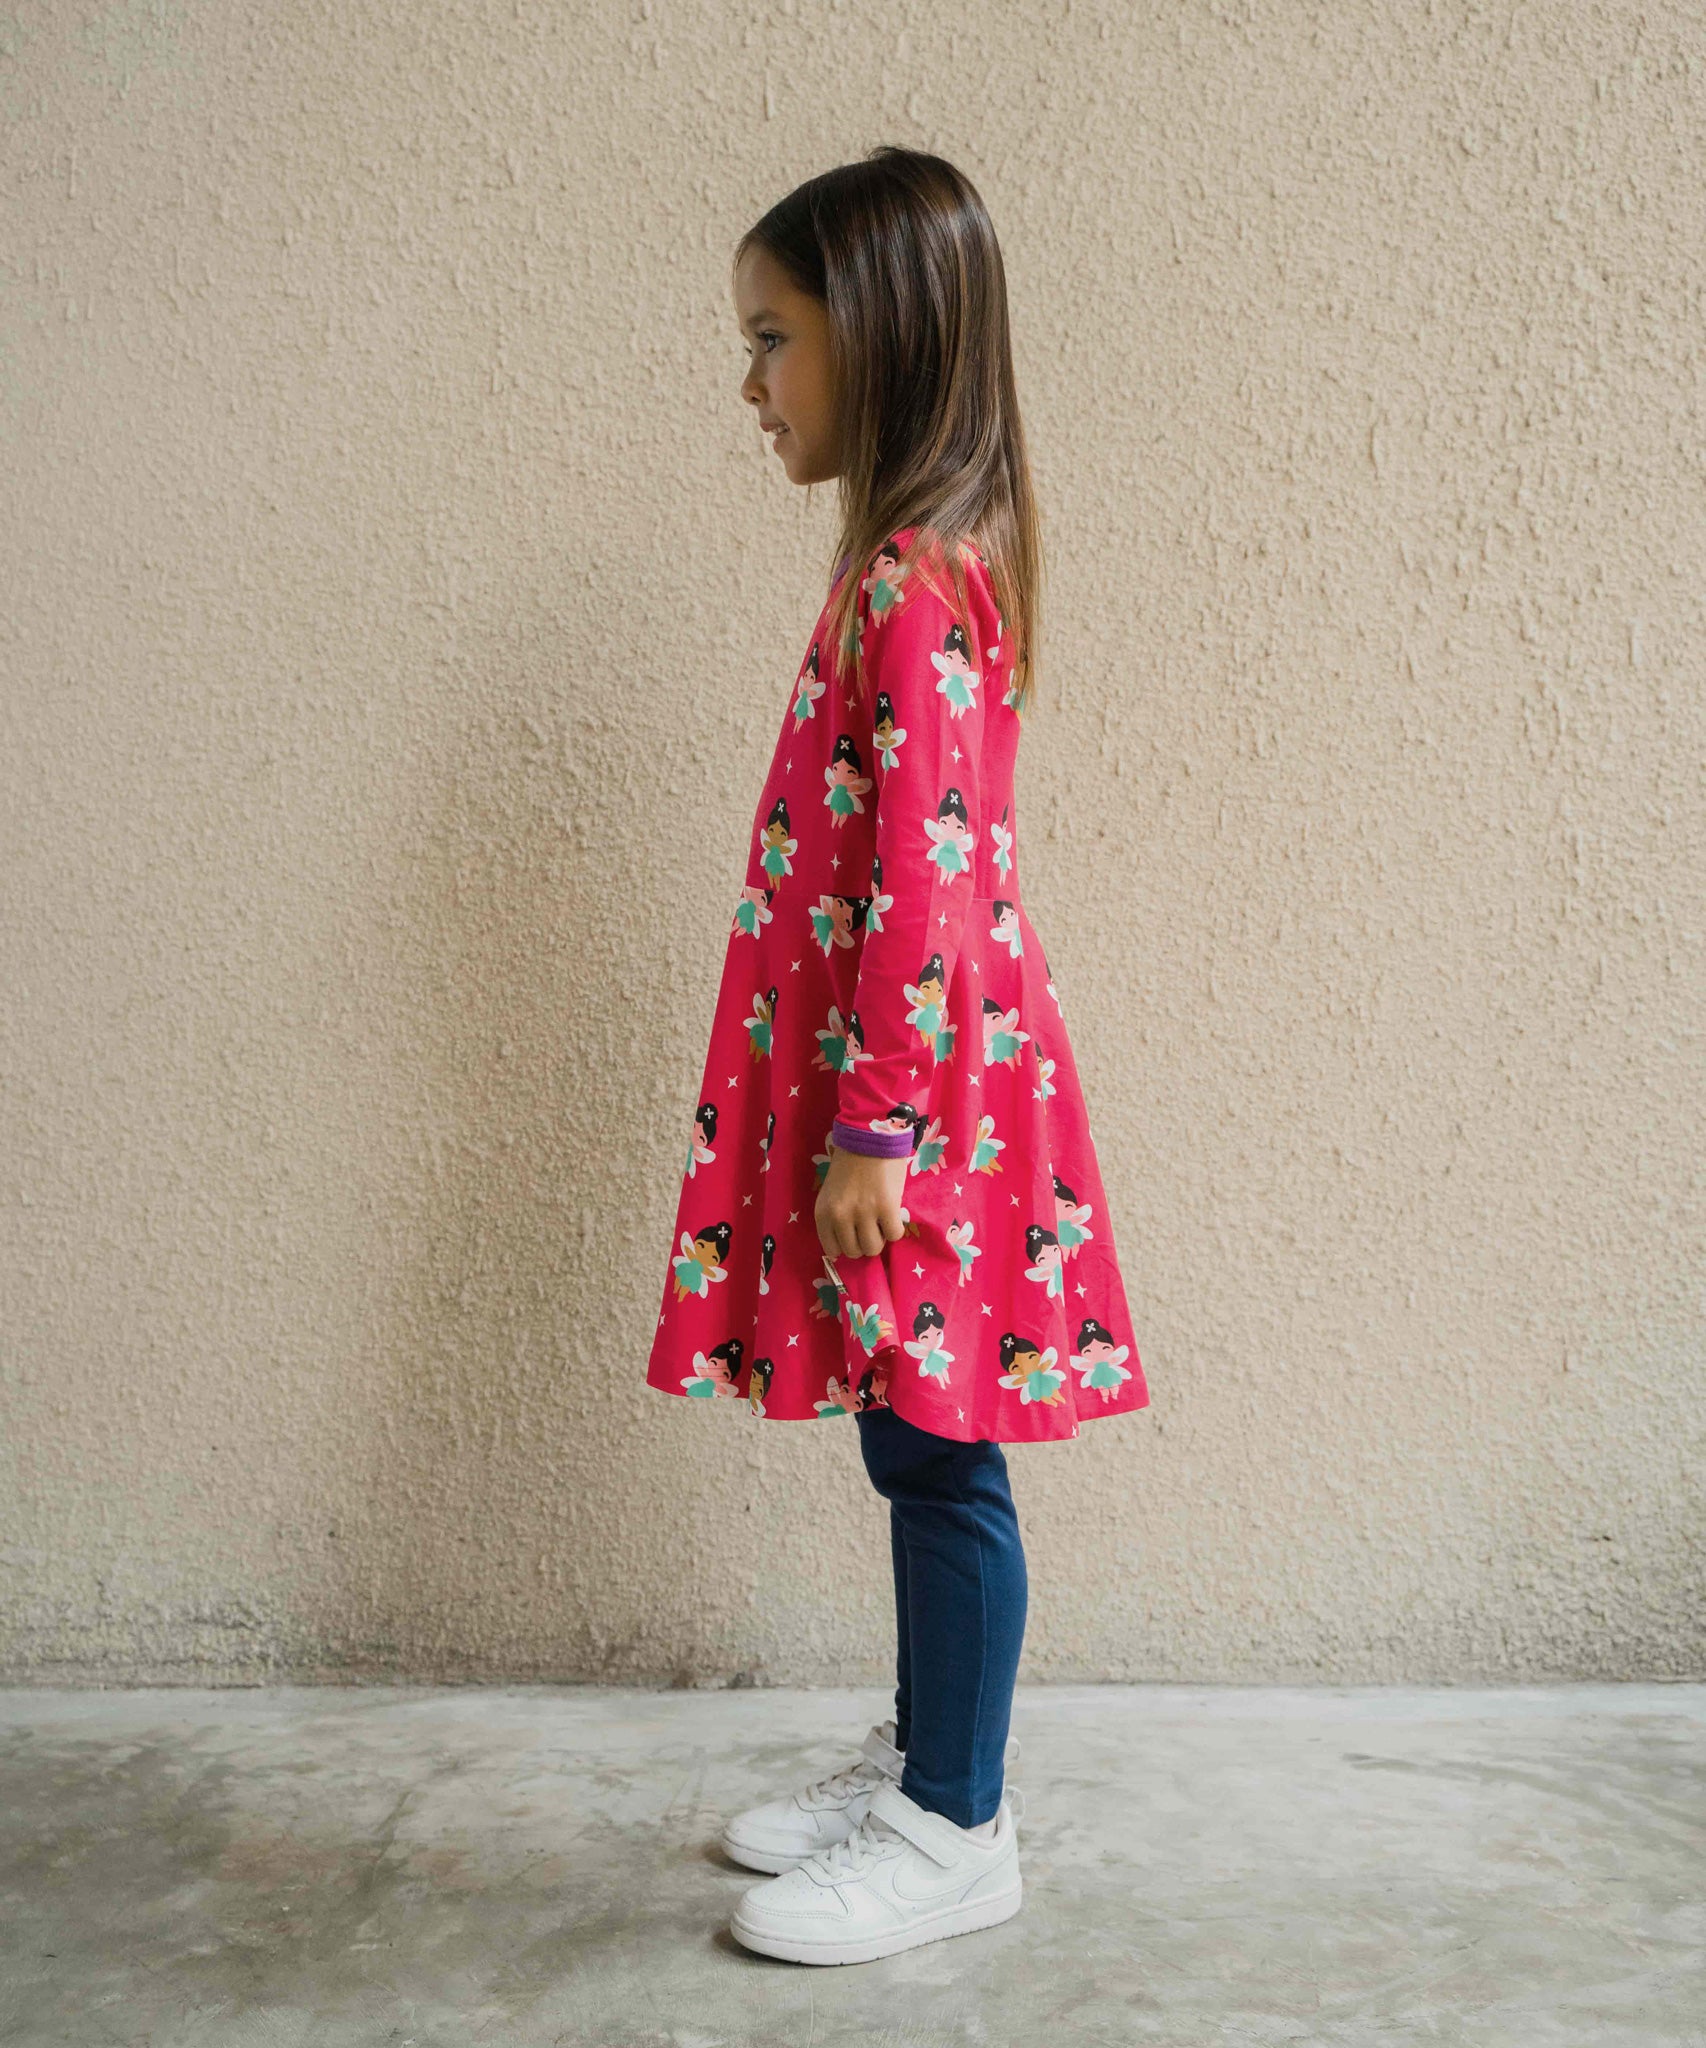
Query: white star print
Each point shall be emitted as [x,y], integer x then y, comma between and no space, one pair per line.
[793,1215]
[919,1270]
[733,1081]
[1079,1289]
[988,1311]
[794,1090]
[794,969]
[956,753]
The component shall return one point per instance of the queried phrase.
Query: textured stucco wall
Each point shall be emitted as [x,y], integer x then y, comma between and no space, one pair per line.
[397,599]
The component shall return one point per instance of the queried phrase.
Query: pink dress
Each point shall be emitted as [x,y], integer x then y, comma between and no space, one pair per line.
[884,990]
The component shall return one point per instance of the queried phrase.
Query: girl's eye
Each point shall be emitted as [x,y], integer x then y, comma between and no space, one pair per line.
[768,334]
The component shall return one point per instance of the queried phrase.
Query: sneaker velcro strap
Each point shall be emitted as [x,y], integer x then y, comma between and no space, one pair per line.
[934,1833]
[877,1750]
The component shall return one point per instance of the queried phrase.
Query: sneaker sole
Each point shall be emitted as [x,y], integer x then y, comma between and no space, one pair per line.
[947,1920]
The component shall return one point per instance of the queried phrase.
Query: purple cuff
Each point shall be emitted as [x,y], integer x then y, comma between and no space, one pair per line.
[883,1144]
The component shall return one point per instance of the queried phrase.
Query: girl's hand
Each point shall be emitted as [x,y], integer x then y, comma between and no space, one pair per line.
[858,1206]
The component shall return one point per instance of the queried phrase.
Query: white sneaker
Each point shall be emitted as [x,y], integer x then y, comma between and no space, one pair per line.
[783,1832]
[903,1877]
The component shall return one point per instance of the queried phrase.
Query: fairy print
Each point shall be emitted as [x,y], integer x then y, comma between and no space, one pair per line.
[874,1384]
[903,1117]
[887,734]
[1001,838]
[703,1259]
[1098,1360]
[1045,1077]
[928,1343]
[884,582]
[753,911]
[846,779]
[950,837]
[714,1372]
[956,679]
[809,690]
[768,1139]
[839,1398]
[840,1046]
[836,918]
[758,1385]
[1030,1368]
[1002,1037]
[1005,931]
[928,1014]
[985,1147]
[928,1152]
[699,1151]
[760,1026]
[1071,1219]
[777,844]
[868,1323]
[1042,1250]
[877,902]
[766,1259]
[966,1247]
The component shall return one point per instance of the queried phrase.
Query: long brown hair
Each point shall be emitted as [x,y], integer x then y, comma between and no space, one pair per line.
[901,251]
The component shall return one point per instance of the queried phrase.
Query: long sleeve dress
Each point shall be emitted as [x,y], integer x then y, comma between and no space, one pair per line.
[883,990]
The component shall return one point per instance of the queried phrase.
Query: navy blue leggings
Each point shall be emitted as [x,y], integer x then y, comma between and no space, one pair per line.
[960,1593]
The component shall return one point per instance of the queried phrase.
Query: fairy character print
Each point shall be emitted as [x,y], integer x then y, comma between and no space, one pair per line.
[888,736]
[836,918]
[714,1372]
[703,1258]
[903,1117]
[928,1014]
[840,1047]
[766,1259]
[758,1384]
[1001,838]
[956,679]
[962,1235]
[1006,931]
[950,836]
[699,1152]
[753,911]
[929,1329]
[761,1025]
[768,1139]
[1098,1360]
[1042,1253]
[874,1384]
[1002,1037]
[776,844]
[846,779]
[808,690]
[1031,1369]
[986,1147]
[930,1146]
[884,583]
[876,903]
[1071,1219]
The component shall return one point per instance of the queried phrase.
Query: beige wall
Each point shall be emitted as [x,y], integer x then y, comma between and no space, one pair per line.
[397,597]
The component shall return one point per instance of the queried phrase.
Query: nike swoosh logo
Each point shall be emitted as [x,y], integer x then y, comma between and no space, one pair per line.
[928,1895]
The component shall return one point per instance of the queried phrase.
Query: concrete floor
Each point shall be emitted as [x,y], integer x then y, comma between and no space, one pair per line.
[1509,1868]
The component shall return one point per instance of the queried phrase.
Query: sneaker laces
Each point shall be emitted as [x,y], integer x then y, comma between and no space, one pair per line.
[854,1778]
[854,1854]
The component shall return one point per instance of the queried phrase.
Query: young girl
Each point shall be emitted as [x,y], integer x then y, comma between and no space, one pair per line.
[892,1206]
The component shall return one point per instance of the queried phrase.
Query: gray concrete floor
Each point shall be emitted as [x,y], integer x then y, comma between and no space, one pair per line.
[1509,1868]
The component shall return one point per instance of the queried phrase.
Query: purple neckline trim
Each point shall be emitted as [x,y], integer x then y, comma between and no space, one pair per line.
[880,1144]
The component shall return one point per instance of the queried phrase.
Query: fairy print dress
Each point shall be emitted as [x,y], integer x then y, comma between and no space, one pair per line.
[884,990]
